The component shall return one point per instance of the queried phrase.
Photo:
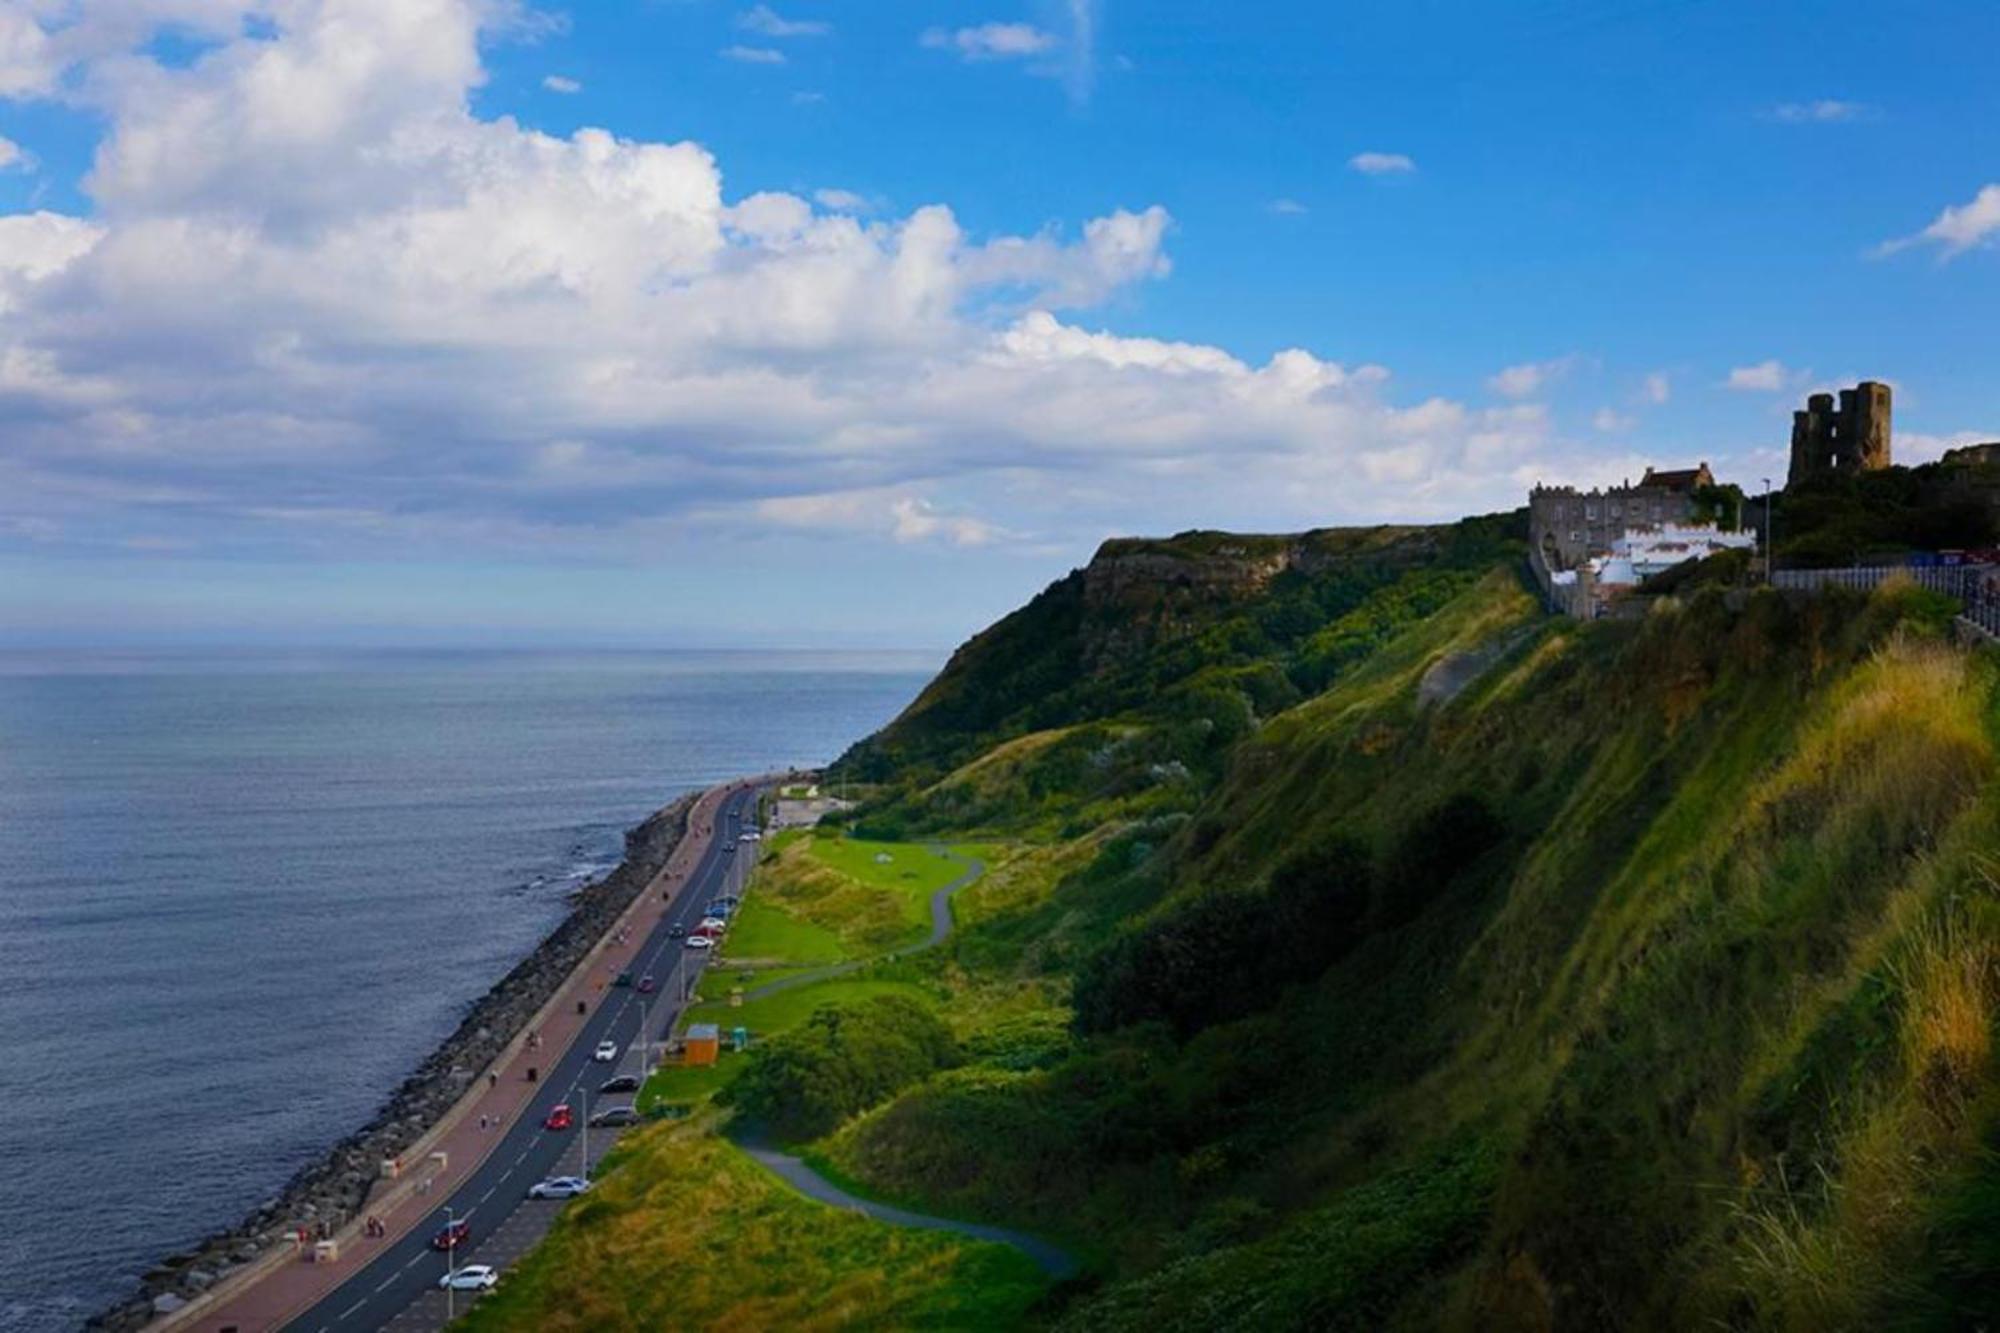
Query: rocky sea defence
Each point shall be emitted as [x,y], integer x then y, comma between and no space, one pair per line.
[326,1194]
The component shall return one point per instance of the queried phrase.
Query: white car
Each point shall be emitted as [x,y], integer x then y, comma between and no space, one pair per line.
[559,1187]
[472,1277]
[606,1052]
[712,923]
[751,835]
[700,942]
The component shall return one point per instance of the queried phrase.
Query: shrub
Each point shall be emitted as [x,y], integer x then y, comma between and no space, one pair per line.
[840,1061]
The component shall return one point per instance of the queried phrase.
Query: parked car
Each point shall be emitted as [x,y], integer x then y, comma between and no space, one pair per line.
[700,942]
[559,1117]
[751,835]
[452,1235]
[606,1052]
[472,1277]
[614,1116]
[559,1187]
[647,985]
[728,902]
[622,1083]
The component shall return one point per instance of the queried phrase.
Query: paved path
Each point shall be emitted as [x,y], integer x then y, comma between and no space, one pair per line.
[941,923]
[490,1165]
[1051,1259]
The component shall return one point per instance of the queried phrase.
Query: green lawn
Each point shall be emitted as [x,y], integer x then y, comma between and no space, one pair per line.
[764,931]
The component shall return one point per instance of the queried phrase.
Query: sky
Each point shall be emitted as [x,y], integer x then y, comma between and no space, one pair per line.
[709,323]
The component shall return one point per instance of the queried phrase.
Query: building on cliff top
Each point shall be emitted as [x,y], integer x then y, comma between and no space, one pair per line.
[1853,437]
[1568,526]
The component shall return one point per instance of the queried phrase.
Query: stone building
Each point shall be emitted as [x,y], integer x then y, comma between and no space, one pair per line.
[1568,526]
[1853,437]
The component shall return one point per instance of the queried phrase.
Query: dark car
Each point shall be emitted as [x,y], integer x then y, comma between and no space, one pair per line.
[623,1083]
[624,979]
[647,985]
[453,1235]
[676,931]
[614,1116]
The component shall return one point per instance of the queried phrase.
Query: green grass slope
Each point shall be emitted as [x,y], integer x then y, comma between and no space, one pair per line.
[1654,972]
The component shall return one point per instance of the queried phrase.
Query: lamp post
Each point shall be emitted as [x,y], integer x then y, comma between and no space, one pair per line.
[450,1263]
[583,1098]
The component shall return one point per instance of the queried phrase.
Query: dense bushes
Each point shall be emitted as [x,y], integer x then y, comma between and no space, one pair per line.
[1216,956]
[841,1060]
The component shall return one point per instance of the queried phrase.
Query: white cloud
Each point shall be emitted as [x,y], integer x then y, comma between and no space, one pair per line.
[753,55]
[1764,377]
[841,201]
[1610,421]
[992,41]
[765,21]
[1913,447]
[1530,377]
[1286,207]
[1823,111]
[13,157]
[1657,388]
[1959,228]
[324,306]
[1382,164]
[557,83]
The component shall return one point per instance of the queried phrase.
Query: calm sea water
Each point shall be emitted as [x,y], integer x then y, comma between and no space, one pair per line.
[242,896]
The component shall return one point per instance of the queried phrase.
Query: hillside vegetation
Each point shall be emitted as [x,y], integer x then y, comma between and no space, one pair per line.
[1445,966]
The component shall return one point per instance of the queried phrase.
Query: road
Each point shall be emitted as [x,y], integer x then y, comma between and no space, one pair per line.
[409,1268]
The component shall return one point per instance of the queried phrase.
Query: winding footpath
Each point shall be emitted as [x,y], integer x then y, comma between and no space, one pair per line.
[794,1171]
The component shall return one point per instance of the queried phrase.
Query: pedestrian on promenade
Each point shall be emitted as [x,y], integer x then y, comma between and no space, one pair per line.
[492,1078]
[482,1122]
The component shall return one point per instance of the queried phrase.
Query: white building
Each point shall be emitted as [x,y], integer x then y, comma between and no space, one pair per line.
[1644,552]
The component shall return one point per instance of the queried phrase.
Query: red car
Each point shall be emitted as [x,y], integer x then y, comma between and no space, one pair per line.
[647,985]
[452,1236]
[560,1117]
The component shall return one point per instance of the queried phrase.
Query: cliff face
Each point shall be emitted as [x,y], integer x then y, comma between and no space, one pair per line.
[1147,615]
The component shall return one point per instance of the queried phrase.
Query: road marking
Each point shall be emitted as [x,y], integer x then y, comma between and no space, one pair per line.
[353,1309]
[388,1282]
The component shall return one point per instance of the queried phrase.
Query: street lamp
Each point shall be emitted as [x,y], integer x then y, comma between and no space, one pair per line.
[450,1263]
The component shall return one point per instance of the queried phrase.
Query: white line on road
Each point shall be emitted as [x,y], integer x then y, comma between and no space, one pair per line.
[353,1309]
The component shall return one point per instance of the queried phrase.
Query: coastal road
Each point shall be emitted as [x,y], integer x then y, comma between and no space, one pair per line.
[527,1152]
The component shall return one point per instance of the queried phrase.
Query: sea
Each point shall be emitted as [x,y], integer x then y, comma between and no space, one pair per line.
[242,894]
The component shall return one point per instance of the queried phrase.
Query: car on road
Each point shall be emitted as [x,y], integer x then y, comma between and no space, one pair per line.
[718,908]
[751,835]
[622,1083]
[606,1052]
[623,979]
[559,1117]
[677,931]
[714,923]
[647,985]
[472,1277]
[614,1116]
[700,942]
[728,902]
[559,1187]
[452,1235]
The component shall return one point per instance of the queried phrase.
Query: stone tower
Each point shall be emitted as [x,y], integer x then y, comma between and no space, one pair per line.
[1851,438]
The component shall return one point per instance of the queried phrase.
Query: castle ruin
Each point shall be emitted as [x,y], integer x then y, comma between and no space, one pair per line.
[1851,438]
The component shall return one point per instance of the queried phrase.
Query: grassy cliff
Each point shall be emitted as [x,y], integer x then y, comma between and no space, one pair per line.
[1424,962]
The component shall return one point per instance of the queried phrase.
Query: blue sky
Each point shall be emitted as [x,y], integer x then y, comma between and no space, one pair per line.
[443,320]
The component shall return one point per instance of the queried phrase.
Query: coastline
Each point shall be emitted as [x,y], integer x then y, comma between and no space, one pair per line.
[330,1191]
